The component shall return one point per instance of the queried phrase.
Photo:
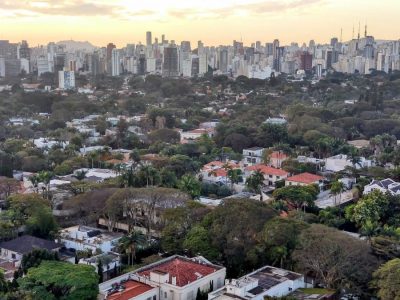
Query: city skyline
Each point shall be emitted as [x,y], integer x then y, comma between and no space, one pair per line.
[123,22]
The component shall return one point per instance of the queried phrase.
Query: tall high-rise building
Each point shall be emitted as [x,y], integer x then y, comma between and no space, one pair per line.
[66,80]
[170,62]
[23,50]
[276,55]
[109,50]
[149,40]
[306,61]
[223,60]
[115,63]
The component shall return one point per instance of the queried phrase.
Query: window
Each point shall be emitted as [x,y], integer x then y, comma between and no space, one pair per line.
[165,295]
[154,297]
[13,256]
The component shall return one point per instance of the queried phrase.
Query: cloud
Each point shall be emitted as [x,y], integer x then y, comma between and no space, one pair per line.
[57,8]
[150,9]
[265,7]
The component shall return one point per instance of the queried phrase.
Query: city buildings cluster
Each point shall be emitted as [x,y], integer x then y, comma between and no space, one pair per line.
[361,54]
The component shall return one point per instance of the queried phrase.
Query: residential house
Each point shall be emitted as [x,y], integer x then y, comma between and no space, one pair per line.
[217,171]
[276,159]
[339,162]
[195,134]
[266,281]
[174,278]
[385,186]
[271,175]
[11,252]
[304,179]
[253,156]
[88,238]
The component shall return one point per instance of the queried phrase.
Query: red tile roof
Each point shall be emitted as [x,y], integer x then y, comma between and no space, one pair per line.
[132,289]
[306,178]
[267,170]
[185,270]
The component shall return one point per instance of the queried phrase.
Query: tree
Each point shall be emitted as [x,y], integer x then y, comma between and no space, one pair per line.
[386,280]
[255,182]
[128,244]
[198,241]
[191,185]
[35,258]
[100,270]
[49,281]
[234,228]
[3,283]
[337,188]
[235,176]
[178,222]
[280,237]
[335,259]
[298,196]
[34,212]
[368,212]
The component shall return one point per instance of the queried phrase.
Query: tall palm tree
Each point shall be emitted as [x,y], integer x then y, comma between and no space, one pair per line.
[255,182]
[130,243]
[337,188]
[234,176]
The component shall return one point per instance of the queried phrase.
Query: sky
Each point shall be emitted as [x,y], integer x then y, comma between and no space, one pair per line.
[215,22]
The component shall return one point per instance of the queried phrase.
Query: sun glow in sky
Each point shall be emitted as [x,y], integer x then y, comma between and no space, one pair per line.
[214,22]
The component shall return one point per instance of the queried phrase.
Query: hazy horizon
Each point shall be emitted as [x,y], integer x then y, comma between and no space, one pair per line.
[215,23]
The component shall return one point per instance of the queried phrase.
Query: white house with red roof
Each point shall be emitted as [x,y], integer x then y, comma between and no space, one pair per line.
[217,171]
[175,278]
[276,159]
[271,175]
[304,179]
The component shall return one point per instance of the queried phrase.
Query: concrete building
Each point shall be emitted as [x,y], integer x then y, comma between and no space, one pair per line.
[66,80]
[266,281]
[88,238]
[172,278]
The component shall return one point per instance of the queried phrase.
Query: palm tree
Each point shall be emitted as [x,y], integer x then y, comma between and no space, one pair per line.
[45,177]
[130,243]
[337,188]
[80,175]
[255,181]
[234,176]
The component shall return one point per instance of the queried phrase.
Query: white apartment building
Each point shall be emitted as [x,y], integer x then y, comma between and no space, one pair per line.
[267,281]
[88,238]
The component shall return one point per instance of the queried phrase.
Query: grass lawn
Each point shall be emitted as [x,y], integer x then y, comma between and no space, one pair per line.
[311,291]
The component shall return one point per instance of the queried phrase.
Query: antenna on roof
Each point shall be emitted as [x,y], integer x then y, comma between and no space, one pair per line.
[358,36]
[341,34]
[352,36]
[365,32]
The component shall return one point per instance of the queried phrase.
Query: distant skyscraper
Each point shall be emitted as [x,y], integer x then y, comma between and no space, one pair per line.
[149,40]
[306,61]
[23,50]
[269,49]
[170,62]
[109,50]
[277,54]
[66,80]
[223,61]
[115,63]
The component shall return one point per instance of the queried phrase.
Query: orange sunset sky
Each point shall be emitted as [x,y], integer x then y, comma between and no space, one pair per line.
[214,22]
